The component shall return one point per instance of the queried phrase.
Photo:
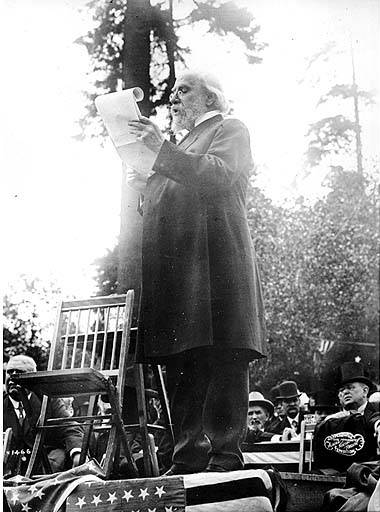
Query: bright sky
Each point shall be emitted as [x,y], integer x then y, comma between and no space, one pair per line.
[62,197]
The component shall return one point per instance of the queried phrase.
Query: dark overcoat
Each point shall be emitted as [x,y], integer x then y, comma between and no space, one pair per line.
[200,281]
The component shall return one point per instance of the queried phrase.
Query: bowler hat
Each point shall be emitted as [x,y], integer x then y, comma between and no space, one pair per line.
[288,389]
[257,398]
[324,399]
[353,372]
[274,393]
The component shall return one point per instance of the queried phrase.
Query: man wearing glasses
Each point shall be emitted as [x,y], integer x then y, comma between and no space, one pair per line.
[21,410]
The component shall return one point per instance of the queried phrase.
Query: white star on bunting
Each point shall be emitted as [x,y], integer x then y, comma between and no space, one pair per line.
[160,491]
[14,498]
[169,509]
[127,495]
[39,494]
[81,502]
[151,510]
[144,493]
[33,488]
[96,500]
[25,507]
[112,497]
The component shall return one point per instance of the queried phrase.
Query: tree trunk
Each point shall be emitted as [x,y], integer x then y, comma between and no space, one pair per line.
[359,157]
[136,67]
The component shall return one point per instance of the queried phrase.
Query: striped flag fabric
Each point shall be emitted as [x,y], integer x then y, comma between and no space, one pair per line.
[240,491]
[202,492]
[284,456]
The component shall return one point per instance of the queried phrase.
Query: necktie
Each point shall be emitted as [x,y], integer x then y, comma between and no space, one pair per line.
[294,424]
[20,413]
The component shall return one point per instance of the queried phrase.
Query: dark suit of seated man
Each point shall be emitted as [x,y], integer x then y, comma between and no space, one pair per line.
[353,434]
[260,412]
[288,427]
[21,410]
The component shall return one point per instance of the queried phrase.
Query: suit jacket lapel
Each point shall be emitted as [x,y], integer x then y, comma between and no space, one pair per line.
[12,420]
[193,135]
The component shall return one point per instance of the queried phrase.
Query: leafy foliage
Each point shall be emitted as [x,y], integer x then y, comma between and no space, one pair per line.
[114,45]
[336,134]
[107,267]
[347,91]
[319,271]
[331,134]
[28,318]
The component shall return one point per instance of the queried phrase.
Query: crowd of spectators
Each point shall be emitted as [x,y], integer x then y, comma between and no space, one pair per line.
[347,421]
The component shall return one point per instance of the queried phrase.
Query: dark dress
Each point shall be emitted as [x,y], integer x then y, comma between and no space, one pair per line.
[201,286]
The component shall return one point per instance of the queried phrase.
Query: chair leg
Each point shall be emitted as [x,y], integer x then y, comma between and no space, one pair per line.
[153,455]
[88,430]
[117,432]
[157,371]
[143,418]
[38,454]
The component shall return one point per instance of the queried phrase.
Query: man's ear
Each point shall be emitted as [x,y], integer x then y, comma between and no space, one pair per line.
[210,99]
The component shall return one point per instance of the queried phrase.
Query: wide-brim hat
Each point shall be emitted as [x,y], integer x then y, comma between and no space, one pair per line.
[324,399]
[256,398]
[288,389]
[353,372]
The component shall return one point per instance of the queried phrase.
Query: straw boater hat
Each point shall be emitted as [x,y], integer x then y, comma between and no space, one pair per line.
[256,398]
[288,389]
[353,372]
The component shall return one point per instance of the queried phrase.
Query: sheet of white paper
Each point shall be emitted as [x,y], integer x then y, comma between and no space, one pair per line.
[116,109]
[137,156]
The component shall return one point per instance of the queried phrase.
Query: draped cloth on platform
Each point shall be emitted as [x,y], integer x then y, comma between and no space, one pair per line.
[83,490]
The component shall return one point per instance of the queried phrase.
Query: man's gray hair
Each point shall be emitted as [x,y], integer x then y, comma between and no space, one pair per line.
[212,84]
[27,362]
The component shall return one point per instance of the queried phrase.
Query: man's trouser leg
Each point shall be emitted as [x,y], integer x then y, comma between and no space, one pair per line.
[209,395]
[226,408]
[187,386]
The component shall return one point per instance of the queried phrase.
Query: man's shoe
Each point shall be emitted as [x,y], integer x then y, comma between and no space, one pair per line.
[212,468]
[179,470]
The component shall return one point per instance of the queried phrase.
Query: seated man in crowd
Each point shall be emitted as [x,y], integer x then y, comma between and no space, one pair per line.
[288,426]
[21,410]
[260,412]
[278,409]
[324,404]
[353,434]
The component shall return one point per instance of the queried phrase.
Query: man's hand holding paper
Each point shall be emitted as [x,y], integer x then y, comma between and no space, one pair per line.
[147,132]
[136,144]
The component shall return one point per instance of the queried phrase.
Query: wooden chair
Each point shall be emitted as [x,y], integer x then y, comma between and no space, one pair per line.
[89,356]
[306,442]
[7,444]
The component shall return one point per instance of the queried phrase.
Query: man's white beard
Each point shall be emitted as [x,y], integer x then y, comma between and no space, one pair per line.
[186,117]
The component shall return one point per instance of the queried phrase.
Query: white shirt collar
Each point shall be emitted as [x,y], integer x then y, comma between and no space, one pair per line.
[296,418]
[205,116]
[345,412]
[15,403]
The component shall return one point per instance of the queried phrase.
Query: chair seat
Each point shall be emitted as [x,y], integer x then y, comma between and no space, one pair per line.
[71,382]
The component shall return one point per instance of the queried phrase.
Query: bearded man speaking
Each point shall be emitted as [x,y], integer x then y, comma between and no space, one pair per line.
[202,312]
